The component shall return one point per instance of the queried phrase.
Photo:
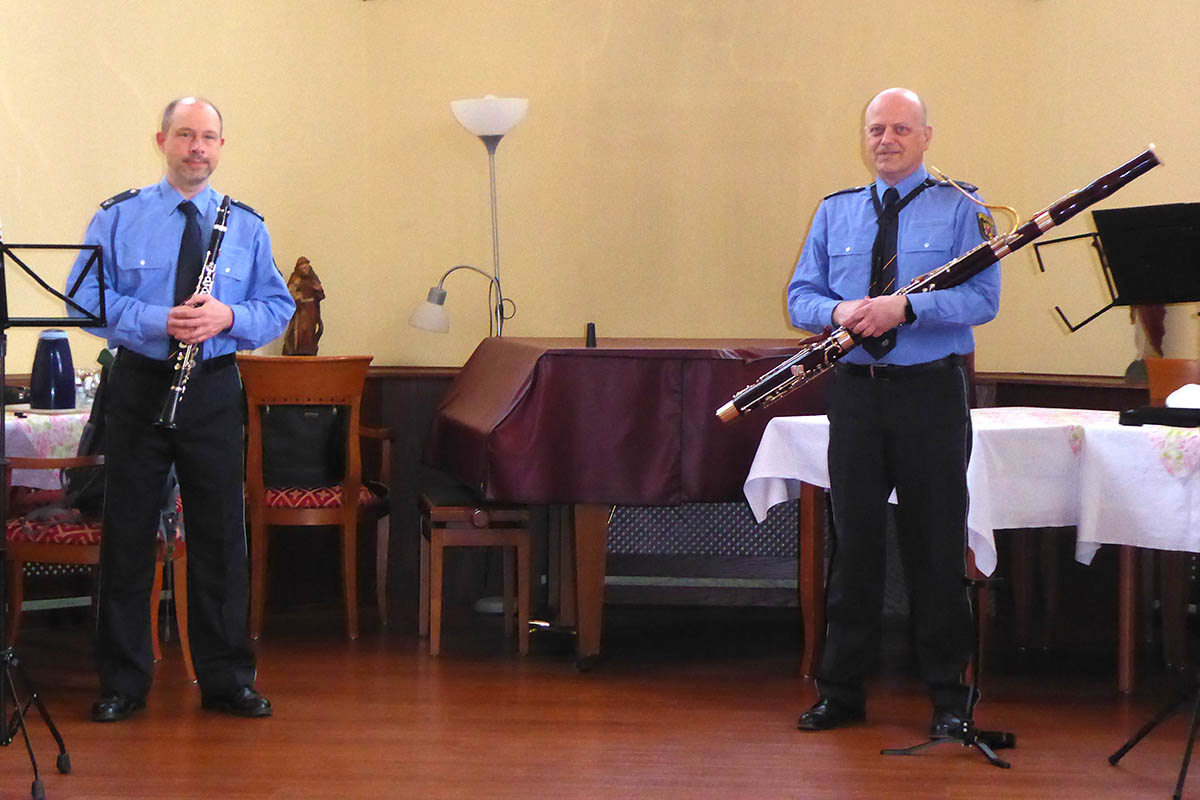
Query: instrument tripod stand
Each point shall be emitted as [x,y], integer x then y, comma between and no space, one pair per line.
[10,665]
[1184,695]
[986,742]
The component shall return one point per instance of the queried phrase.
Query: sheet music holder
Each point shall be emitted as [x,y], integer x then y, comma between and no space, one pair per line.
[1149,255]
[10,667]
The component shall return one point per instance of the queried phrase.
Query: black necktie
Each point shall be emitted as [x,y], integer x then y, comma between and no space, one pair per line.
[191,254]
[191,258]
[883,267]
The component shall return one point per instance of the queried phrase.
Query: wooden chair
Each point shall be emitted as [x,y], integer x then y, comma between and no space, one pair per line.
[314,381]
[1165,375]
[451,516]
[33,539]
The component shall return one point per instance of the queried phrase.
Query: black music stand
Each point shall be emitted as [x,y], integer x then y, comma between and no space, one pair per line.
[10,665]
[1149,255]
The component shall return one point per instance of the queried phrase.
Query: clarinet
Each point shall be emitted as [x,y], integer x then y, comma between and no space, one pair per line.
[820,356]
[185,357]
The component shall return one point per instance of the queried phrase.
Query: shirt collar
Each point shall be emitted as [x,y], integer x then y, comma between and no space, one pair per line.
[904,186]
[204,201]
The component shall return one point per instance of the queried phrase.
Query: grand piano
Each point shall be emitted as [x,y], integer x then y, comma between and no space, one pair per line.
[629,422]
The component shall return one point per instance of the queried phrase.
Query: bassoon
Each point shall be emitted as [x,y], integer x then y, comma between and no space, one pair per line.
[820,356]
[185,356]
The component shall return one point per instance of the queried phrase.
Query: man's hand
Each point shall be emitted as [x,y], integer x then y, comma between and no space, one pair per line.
[200,318]
[871,316]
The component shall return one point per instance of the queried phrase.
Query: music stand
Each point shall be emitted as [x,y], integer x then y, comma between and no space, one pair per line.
[1133,417]
[9,663]
[1149,255]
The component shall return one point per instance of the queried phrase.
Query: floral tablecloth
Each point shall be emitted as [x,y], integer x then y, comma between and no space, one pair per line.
[1140,486]
[32,434]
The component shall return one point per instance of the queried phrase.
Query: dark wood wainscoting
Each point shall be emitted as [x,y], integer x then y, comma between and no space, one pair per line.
[1058,391]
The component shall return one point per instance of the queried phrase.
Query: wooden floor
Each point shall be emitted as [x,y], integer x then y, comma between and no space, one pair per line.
[686,704]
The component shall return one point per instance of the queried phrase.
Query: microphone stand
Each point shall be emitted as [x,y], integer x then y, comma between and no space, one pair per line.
[986,742]
[10,665]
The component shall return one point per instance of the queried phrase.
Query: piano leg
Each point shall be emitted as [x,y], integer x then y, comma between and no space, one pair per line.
[591,553]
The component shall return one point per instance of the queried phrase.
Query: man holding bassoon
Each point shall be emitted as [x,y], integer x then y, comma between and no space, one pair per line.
[898,408]
[178,316]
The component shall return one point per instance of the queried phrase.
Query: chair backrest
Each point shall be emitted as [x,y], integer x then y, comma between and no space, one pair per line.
[1168,374]
[301,381]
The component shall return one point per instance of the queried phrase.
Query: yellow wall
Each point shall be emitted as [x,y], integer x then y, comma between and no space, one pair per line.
[663,181]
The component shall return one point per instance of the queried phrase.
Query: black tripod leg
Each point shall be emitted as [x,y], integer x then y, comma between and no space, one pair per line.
[908,751]
[63,762]
[18,723]
[989,754]
[1167,711]
[1187,751]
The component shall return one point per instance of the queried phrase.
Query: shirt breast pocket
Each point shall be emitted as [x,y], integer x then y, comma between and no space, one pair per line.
[139,269]
[850,265]
[927,246]
[231,273]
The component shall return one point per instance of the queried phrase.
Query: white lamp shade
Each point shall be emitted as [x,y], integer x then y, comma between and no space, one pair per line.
[490,116]
[430,317]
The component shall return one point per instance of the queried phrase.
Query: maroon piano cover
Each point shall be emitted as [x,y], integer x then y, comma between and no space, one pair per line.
[628,422]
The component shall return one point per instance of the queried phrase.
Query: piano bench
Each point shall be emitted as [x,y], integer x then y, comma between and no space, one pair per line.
[452,517]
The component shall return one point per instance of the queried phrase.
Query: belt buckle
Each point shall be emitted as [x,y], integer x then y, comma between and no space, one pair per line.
[882,372]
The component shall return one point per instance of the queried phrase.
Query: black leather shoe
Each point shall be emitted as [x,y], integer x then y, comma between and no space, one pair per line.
[947,724]
[827,714]
[241,702]
[114,707]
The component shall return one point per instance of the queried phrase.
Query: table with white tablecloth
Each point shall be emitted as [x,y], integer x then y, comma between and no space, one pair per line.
[1029,468]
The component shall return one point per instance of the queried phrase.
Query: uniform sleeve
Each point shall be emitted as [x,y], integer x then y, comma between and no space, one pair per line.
[264,312]
[131,322]
[972,302]
[810,300]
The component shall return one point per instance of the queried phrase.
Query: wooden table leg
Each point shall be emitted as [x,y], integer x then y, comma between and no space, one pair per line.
[982,600]
[562,533]
[1126,618]
[810,579]
[591,552]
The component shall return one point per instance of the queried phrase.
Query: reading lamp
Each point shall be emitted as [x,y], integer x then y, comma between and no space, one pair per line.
[489,118]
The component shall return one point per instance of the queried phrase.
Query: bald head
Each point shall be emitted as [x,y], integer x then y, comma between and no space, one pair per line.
[169,111]
[897,133]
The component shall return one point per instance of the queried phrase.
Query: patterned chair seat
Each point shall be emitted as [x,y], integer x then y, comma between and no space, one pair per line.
[369,494]
[69,528]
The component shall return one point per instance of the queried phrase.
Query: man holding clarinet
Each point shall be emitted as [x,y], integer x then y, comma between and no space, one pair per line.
[154,264]
[898,409]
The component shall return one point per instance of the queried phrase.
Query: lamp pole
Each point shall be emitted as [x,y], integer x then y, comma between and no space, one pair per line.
[491,142]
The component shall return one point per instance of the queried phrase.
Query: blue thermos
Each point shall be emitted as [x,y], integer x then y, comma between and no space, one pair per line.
[52,380]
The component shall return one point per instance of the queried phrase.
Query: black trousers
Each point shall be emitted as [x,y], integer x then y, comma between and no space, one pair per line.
[913,433]
[206,450]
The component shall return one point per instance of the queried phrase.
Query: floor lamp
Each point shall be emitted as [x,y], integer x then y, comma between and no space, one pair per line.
[489,118]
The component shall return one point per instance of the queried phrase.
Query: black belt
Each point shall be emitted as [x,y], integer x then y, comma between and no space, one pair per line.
[899,371]
[134,360]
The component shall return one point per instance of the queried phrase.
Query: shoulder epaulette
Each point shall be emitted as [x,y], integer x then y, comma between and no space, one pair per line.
[846,191]
[245,207]
[967,186]
[119,198]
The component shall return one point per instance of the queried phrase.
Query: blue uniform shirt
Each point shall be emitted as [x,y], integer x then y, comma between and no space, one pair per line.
[938,226]
[140,238]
